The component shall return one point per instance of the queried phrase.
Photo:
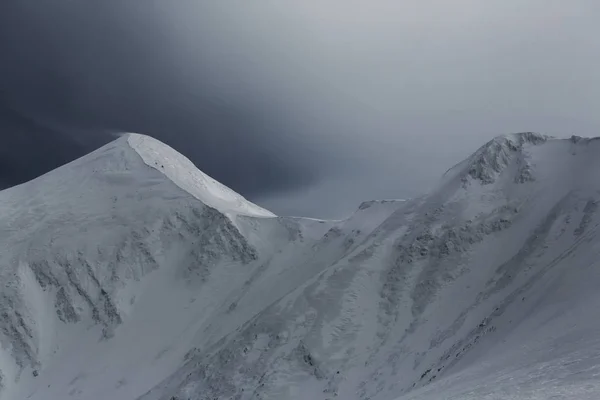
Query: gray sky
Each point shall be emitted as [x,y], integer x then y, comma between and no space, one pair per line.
[305,107]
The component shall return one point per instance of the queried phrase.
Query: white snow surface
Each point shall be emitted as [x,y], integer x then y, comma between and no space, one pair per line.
[184,174]
[129,274]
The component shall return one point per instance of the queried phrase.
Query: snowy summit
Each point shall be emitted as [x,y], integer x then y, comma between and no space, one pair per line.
[131,275]
[184,174]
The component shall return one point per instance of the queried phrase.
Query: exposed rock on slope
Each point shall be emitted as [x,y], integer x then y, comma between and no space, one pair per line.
[491,159]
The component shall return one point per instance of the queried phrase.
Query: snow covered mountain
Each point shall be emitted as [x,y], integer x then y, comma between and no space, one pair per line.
[129,274]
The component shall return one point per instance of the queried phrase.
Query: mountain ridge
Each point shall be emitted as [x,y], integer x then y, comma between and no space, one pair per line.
[158,296]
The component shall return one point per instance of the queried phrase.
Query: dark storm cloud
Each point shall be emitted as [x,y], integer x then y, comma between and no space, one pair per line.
[45,149]
[307,107]
[81,67]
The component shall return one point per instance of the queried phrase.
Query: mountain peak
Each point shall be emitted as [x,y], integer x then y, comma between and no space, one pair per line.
[521,138]
[492,158]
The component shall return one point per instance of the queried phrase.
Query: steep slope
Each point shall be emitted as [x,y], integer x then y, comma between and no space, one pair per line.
[540,341]
[414,300]
[79,241]
[184,174]
[124,261]
[132,275]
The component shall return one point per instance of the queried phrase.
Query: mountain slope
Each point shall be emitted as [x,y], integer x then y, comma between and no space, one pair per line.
[132,275]
[83,237]
[405,306]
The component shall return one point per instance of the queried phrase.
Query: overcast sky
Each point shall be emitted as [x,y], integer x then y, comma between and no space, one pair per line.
[306,107]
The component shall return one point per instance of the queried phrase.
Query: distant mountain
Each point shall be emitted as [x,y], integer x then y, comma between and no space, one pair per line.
[129,274]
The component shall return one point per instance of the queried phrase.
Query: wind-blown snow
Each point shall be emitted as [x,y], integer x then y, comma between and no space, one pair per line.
[128,282]
[184,174]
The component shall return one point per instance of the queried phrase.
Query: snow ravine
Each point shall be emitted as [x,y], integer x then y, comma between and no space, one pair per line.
[130,275]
